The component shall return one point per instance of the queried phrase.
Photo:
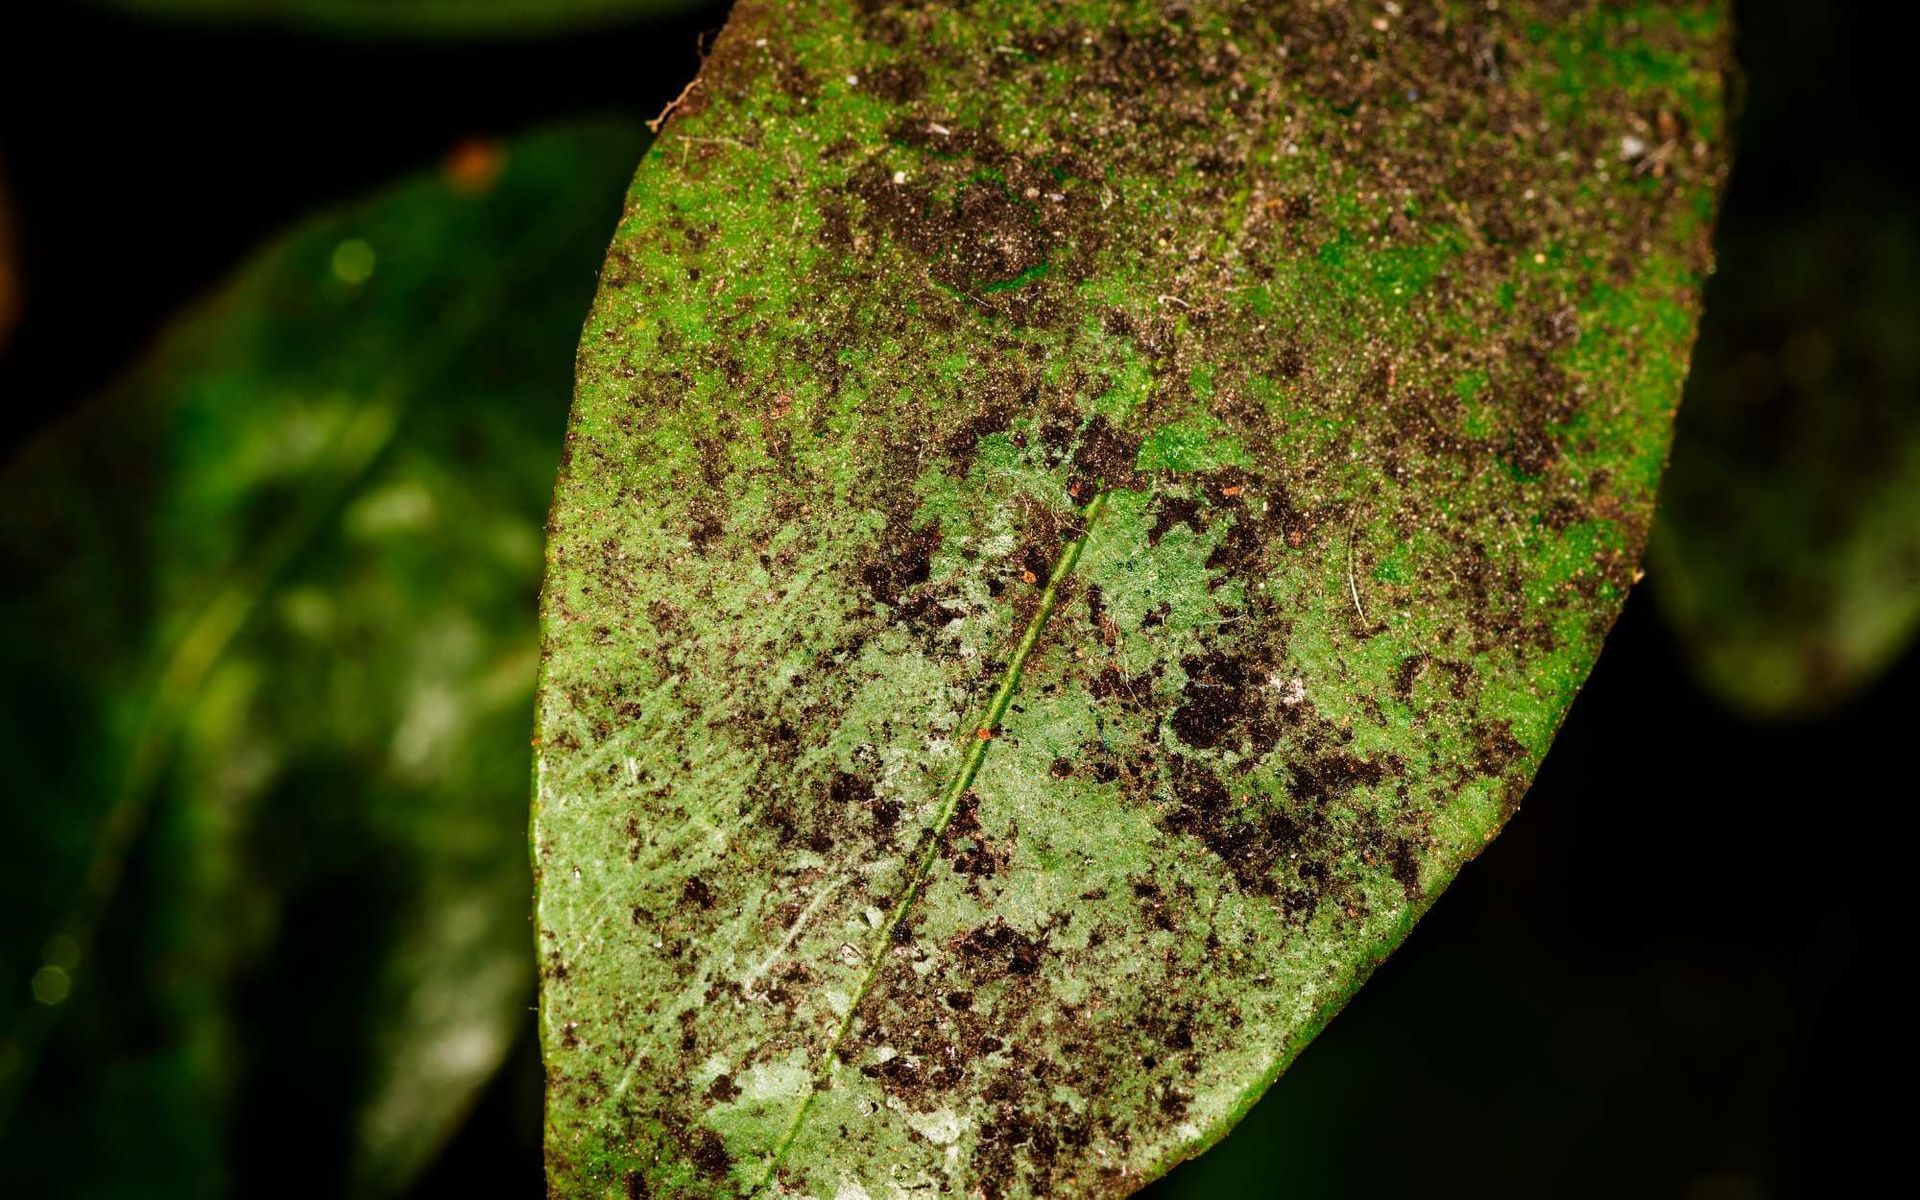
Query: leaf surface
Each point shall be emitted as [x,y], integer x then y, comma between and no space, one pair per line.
[1078,520]
[269,667]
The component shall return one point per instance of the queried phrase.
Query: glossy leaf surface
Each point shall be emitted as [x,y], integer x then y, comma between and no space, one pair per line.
[1079,519]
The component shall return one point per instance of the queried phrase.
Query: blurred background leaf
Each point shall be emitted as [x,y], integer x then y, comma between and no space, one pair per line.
[1787,553]
[410,18]
[268,688]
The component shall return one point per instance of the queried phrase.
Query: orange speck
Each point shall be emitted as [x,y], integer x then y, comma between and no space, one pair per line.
[1029,577]
[1235,490]
[474,165]
[985,732]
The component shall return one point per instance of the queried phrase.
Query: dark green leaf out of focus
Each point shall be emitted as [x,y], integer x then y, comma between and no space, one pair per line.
[1787,550]
[411,18]
[268,668]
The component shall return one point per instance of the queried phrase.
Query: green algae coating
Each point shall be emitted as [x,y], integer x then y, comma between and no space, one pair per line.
[269,651]
[1078,520]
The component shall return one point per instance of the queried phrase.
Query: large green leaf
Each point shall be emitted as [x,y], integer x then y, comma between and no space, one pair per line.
[1787,553]
[1078,520]
[269,658]
[414,17]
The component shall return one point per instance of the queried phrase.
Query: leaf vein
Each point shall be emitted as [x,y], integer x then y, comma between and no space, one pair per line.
[930,839]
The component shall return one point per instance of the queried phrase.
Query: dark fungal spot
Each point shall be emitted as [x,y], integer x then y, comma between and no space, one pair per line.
[1558,329]
[1057,433]
[1154,905]
[998,949]
[792,78]
[963,843]
[1036,561]
[710,1155]
[1411,668]
[1530,450]
[706,511]
[1170,511]
[1405,864]
[1219,694]
[664,616]
[1097,608]
[1495,748]
[1248,844]
[1262,841]
[836,224]
[1112,685]
[1002,241]
[976,215]
[1377,387]
[896,82]
[1104,460]
[847,791]
[902,561]
[1000,396]
[1240,548]
[696,893]
[1329,774]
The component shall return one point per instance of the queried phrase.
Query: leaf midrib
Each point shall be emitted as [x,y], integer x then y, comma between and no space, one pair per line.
[982,740]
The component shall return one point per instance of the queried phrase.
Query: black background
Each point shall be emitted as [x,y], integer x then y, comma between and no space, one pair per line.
[1676,974]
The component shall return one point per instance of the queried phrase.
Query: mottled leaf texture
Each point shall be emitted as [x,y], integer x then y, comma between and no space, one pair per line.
[1078,519]
[1786,555]
[269,653]
[413,17]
